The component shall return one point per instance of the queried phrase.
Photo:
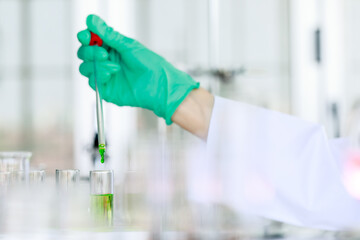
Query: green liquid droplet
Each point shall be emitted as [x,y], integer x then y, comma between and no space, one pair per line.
[102,152]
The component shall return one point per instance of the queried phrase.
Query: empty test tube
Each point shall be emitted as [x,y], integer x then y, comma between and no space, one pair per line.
[67,179]
[37,176]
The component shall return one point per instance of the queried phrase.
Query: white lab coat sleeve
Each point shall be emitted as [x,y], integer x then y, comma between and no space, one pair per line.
[278,166]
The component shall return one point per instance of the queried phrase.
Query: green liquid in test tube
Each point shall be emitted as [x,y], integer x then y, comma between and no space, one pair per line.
[102,208]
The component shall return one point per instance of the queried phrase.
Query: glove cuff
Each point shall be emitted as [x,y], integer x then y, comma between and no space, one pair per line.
[176,101]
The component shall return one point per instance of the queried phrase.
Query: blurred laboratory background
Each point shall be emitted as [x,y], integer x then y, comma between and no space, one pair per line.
[299,57]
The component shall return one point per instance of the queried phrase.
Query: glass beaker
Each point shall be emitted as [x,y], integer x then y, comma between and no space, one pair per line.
[67,179]
[102,192]
[36,176]
[14,161]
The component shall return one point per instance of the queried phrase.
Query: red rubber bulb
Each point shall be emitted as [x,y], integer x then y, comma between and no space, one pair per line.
[95,40]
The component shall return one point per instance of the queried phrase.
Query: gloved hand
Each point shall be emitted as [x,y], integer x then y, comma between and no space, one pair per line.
[129,74]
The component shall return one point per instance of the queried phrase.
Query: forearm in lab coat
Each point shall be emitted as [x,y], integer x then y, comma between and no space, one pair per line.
[278,166]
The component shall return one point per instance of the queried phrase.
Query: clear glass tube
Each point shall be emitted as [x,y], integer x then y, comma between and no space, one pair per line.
[36,176]
[102,193]
[67,179]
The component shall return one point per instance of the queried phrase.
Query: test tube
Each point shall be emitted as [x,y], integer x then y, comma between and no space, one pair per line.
[67,179]
[102,192]
[36,176]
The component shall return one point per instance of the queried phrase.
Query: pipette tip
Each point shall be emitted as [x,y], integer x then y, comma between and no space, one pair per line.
[102,152]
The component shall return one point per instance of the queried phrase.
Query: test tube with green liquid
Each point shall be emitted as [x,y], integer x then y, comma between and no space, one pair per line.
[102,192]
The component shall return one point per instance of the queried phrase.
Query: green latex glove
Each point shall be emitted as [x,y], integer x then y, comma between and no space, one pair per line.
[129,74]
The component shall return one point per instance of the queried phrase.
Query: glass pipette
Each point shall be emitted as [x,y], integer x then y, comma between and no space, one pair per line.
[97,41]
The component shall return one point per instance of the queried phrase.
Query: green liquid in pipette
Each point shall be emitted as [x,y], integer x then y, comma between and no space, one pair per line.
[102,152]
[102,209]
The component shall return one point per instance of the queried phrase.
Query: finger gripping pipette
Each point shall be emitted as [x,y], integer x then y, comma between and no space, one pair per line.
[95,40]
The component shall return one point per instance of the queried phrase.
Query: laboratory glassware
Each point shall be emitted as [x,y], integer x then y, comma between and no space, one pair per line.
[15,161]
[36,176]
[67,178]
[102,192]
